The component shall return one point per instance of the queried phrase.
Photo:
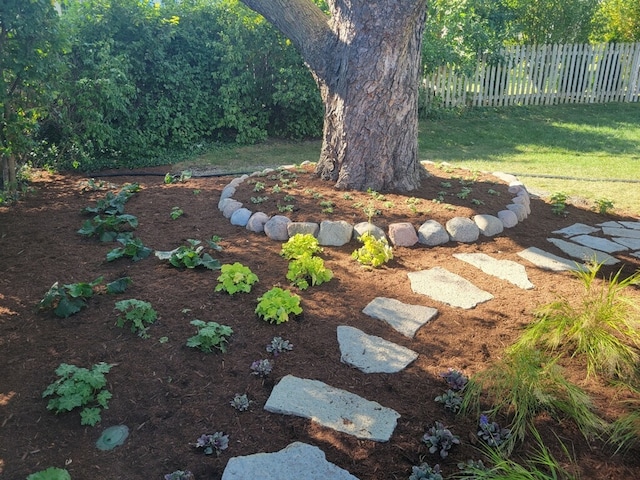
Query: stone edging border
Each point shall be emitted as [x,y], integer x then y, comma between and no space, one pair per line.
[403,234]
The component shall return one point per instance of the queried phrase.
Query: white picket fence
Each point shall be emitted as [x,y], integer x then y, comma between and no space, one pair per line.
[543,75]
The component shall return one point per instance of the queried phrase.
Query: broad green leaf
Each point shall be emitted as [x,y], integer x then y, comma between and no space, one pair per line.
[90,416]
[209,262]
[119,285]
[68,306]
[115,254]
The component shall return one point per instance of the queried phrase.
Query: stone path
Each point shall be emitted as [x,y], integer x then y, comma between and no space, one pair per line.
[364,418]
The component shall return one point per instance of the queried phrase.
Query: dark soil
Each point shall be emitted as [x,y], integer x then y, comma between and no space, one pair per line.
[169,394]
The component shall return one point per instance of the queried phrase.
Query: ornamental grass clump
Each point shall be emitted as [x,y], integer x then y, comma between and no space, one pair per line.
[602,325]
[523,384]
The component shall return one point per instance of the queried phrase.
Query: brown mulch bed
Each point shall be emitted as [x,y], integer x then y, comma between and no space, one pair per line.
[169,394]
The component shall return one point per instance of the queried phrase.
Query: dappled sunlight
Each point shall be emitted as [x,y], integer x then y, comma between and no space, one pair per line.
[5,397]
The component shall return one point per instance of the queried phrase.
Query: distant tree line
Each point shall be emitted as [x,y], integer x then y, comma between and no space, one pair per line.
[126,83]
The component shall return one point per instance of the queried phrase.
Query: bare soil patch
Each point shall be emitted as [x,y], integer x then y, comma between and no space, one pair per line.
[169,394]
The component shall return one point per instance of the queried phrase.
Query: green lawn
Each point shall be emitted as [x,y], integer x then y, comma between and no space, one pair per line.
[599,142]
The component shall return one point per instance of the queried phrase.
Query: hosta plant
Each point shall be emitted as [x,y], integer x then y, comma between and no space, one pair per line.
[213,443]
[300,244]
[374,252]
[440,439]
[210,336]
[308,270]
[82,388]
[276,305]
[192,256]
[137,312]
[131,247]
[235,278]
[70,298]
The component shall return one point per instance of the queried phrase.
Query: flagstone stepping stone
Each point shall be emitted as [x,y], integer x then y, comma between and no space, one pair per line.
[446,287]
[621,232]
[403,317]
[597,243]
[583,253]
[632,243]
[610,224]
[507,270]
[372,354]
[548,261]
[295,461]
[576,229]
[333,408]
[634,225]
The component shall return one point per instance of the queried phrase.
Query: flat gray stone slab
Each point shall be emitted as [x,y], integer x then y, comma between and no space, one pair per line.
[576,229]
[632,243]
[621,232]
[297,460]
[332,407]
[403,317]
[507,270]
[372,354]
[634,225]
[583,253]
[446,287]
[610,224]
[548,261]
[597,243]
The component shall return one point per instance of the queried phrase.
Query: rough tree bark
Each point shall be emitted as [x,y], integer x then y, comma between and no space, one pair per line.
[365,58]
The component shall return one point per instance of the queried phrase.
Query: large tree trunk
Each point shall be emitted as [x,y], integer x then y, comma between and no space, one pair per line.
[365,58]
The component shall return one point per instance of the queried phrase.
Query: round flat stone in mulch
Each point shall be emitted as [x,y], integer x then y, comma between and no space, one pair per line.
[440,284]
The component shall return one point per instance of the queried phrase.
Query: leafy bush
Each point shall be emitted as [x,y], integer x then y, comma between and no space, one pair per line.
[440,439]
[192,256]
[559,204]
[235,278]
[71,298]
[300,245]
[80,388]
[374,252]
[138,313]
[308,270]
[210,335]
[602,324]
[277,304]
[51,473]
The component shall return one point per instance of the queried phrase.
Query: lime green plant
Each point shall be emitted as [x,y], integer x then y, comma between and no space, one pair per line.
[209,335]
[524,383]
[235,278]
[602,324]
[276,305]
[308,270]
[80,388]
[176,212]
[374,252]
[51,473]
[137,312]
[300,244]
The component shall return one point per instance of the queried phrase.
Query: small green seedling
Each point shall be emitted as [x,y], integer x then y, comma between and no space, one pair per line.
[277,304]
[374,252]
[138,313]
[176,212]
[603,205]
[235,278]
[559,204]
[210,335]
[51,473]
[80,388]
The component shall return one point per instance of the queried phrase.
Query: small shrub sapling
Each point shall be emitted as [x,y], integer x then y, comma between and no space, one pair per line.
[235,278]
[213,443]
[138,313]
[210,335]
[440,439]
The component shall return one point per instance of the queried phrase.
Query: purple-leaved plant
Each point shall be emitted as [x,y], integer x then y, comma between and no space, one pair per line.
[213,443]
[491,433]
[455,379]
[262,368]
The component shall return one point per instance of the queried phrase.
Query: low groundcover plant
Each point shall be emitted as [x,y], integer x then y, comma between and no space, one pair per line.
[138,313]
[277,304]
[213,443]
[210,335]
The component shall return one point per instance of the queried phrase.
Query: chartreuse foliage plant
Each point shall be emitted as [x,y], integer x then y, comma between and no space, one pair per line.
[524,383]
[192,256]
[374,252]
[80,388]
[209,336]
[137,312]
[70,298]
[300,244]
[235,278]
[276,305]
[51,473]
[602,325]
[308,270]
